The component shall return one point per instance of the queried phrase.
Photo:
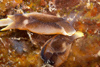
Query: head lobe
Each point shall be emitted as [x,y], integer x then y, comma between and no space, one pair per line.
[20,21]
[19,18]
[17,23]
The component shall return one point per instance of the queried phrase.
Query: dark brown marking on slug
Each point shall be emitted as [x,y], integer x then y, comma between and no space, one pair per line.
[44,17]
